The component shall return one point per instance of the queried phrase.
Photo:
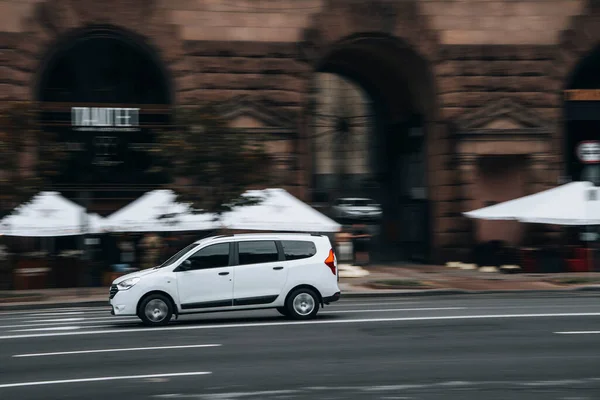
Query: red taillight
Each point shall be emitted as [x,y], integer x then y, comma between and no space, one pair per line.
[330,261]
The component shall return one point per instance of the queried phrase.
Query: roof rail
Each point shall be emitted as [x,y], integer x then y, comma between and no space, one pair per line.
[222,236]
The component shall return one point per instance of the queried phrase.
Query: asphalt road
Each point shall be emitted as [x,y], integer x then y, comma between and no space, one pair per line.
[472,347]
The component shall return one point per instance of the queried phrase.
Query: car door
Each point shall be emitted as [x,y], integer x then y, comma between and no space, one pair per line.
[205,279]
[260,272]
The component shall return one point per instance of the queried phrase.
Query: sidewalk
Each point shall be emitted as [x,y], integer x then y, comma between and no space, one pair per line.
[433,277]
[405,280]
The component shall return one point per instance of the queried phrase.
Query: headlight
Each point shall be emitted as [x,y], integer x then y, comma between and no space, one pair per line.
[128,283]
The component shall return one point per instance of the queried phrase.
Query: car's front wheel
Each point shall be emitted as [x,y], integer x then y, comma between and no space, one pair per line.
[302,303]
[155,310]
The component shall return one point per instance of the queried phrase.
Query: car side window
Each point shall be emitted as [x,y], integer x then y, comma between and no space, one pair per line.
[212,256]
[257,252]
[298,249]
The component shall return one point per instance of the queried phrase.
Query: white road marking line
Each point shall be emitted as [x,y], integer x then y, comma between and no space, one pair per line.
[85,320]
[295,323]
[347,303]
[61,353]
[109,318]
[578,333]
[54,310]
[383,389]
[393,309]
[100,379]
[470,307]
[60,314]
[82,318]
[58,320]
[133,319]
[56,328]
[226,395]
[553,306]
[34,317]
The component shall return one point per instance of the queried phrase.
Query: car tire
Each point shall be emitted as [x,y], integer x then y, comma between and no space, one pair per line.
[155,310]
[302,304]
[283,311]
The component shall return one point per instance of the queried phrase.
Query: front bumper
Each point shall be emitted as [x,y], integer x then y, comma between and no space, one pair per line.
[332,299]
[124,302]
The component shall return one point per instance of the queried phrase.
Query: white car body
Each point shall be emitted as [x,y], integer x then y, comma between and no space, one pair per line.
[231,287]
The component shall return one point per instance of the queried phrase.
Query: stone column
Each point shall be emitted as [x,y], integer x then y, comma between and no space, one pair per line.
[539,172]
[467,165]
[304,145]
[539,179]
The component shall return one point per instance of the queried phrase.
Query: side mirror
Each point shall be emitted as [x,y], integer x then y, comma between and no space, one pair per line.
[186,265]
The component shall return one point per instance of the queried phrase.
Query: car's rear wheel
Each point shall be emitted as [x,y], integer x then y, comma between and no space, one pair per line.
[302,303]
[155,310]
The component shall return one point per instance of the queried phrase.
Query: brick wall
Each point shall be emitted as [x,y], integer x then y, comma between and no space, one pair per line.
[500,21]
[457,21]
[470,76]
[226,69]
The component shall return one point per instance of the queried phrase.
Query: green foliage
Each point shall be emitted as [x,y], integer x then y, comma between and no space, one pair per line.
[29,157]
[214,164]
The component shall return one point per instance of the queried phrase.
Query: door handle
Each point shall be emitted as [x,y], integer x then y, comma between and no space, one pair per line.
[277,268]
[223,273]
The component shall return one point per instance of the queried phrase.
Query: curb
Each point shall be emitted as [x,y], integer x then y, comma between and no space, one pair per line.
[23,299]
[345,295]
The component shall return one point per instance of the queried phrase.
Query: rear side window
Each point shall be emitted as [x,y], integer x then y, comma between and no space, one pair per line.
[298,249]
[257,252]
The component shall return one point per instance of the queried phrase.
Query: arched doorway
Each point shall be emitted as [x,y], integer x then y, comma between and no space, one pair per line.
[373,101]
[582,119]
[104,93]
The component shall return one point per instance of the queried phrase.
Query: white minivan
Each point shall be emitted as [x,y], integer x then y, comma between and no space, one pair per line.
[294,273]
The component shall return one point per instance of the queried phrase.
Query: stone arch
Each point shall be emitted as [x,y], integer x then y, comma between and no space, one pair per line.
[398,24]
[135,43]
[341,19]
[51,20]
[388,49]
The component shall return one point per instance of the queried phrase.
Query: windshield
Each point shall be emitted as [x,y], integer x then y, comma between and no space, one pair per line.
[177,255]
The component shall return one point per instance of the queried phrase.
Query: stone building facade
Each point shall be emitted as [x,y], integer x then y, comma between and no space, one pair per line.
[484,78]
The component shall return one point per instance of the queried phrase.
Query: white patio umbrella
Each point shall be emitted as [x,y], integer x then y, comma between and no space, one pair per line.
[579,206]
[157,211]
[567,204]
[49,214]
[278,211]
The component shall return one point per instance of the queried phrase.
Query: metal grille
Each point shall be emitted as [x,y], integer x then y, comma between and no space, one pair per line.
[113,291]
[342,128]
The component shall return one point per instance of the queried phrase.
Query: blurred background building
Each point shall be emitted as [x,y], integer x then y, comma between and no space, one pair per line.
[428,108]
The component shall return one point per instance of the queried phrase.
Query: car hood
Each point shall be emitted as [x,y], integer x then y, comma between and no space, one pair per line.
[137,274]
